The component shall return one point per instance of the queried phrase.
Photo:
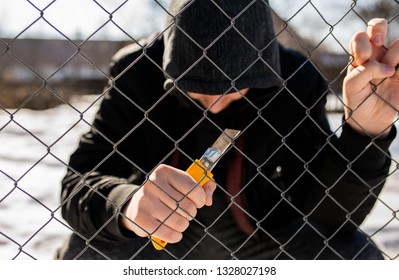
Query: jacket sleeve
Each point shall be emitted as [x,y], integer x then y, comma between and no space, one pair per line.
[348,174]
[106,168]
[99,177]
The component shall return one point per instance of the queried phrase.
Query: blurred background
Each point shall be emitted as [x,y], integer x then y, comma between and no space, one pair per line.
[54,58]
[66,45]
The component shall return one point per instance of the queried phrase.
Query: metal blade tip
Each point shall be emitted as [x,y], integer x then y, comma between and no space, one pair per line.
[231,133]
[213,153]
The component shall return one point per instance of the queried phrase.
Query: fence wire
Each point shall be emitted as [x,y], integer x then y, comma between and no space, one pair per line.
[49,136]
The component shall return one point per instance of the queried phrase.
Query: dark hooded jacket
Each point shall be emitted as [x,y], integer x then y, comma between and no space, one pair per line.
[287,162]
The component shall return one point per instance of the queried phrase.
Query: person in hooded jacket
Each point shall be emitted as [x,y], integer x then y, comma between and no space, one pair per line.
[288,188]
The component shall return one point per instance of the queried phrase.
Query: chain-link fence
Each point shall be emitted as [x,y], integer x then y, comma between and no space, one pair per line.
[62,75]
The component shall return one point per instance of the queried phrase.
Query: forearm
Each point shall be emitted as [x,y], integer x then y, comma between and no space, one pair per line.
[352,175]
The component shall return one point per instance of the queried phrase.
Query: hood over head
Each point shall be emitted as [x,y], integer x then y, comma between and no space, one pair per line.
[220,46]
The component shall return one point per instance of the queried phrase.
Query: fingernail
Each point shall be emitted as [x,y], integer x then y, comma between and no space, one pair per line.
[389,69]
[377,40]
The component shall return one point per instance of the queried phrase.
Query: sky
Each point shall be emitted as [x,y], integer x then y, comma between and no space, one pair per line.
[78,18]
[90,19]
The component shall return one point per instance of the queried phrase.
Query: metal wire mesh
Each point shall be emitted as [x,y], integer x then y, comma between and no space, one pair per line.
[42,154]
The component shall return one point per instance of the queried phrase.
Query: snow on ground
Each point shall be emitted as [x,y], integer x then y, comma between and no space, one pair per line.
[35,147]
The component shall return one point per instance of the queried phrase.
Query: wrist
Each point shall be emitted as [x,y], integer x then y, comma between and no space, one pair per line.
[372,131]
[368,126]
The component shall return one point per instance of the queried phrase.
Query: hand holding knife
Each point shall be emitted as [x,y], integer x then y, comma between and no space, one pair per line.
[201,169]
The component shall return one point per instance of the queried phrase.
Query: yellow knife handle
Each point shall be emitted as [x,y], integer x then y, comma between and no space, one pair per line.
[198,171]
[201,175]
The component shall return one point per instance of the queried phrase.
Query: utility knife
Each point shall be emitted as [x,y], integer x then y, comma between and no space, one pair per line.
[201,168]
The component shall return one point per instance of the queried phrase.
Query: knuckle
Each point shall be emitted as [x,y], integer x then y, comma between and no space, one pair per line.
[161,170]
[146,190]
[141,225]
[143,199]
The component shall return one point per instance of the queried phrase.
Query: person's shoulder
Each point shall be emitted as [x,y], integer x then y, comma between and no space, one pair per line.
[144,52]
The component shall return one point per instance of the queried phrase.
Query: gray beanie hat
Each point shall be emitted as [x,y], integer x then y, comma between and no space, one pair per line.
[220,46]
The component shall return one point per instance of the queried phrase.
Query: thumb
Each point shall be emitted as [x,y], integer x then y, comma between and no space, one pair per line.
[209,188]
